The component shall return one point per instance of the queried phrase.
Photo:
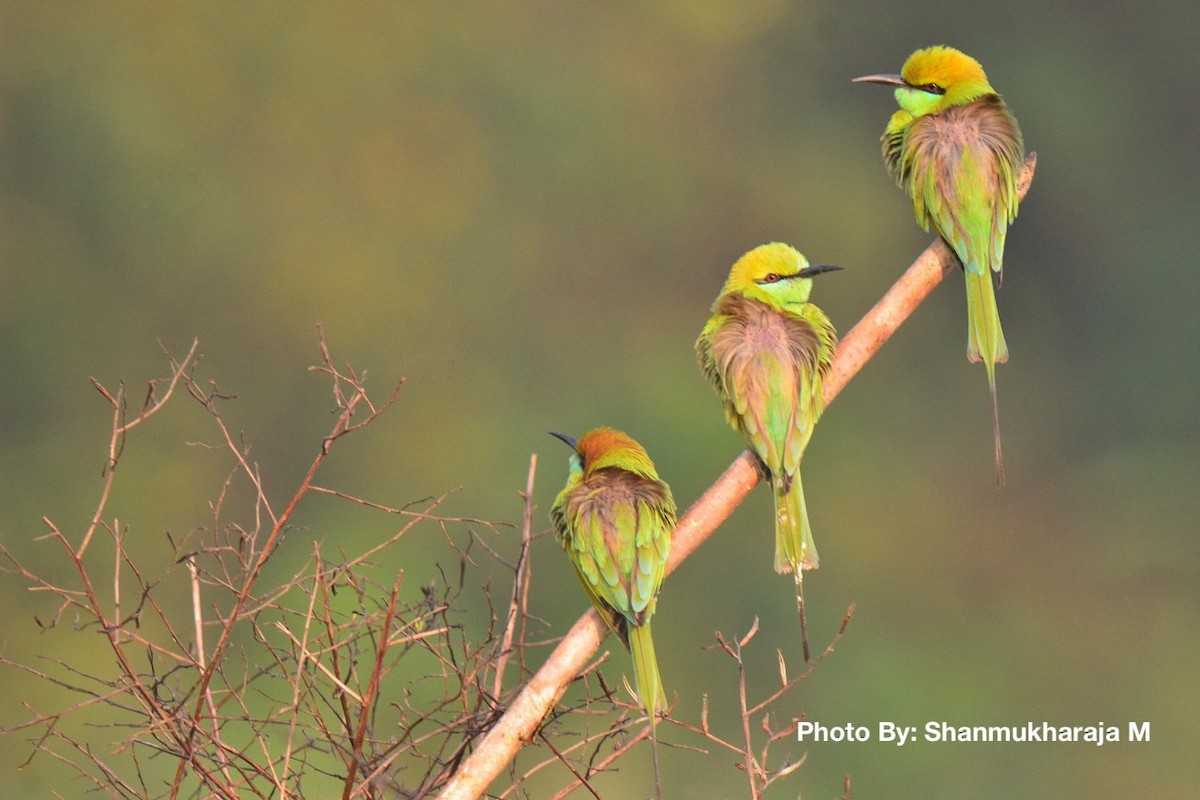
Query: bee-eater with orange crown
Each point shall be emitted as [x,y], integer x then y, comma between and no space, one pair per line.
[614,518]
[766,350]
[956,150]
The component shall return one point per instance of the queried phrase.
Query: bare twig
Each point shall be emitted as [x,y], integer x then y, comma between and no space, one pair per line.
[520,583]
[755,771]
[645,733]
[757,766]
[787,685]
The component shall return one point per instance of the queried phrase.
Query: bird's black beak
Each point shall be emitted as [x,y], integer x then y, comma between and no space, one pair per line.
[571,441]
[890,80]
[816,269]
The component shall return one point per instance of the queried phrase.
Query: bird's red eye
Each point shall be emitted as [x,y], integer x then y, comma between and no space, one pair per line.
[771,278]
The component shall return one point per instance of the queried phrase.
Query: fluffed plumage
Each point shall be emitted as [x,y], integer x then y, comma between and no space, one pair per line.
[614,518]
[766,350]
[956,150]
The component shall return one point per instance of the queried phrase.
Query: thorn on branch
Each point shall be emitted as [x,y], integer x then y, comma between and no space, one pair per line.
[749,634]
[107,394]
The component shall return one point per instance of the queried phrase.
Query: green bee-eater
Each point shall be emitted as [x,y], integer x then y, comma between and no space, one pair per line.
[614,518]
[766,349]
[956,149]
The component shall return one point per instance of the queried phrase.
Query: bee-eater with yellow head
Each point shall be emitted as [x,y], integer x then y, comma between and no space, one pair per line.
[614,518]
[956,149]
[766,350]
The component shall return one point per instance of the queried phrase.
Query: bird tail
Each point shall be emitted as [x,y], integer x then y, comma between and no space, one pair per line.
[795,549]
[645,670]
[985,342]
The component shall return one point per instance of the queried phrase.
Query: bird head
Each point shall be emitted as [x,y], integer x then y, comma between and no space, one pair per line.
[934,79]
[775,274]
[607,447]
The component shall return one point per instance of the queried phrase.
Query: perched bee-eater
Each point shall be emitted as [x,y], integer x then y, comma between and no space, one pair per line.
[766,350]
[614,518]
[956,149]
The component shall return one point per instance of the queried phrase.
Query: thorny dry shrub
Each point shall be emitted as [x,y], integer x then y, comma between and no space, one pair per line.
[324,684]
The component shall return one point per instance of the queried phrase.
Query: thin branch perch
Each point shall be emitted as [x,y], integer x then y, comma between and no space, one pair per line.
[519,723]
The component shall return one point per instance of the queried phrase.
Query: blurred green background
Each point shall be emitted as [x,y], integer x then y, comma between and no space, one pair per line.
[527,209]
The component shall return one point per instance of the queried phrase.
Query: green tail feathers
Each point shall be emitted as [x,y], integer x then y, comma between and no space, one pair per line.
[794,545]
[985,337]
[985,342]
[645,669]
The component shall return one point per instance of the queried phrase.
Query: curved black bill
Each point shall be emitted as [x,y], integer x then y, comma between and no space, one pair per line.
[571,441]
[889,80]
[816,269]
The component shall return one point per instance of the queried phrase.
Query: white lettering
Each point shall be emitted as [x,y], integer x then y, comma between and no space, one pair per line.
[900,734]
[819,732]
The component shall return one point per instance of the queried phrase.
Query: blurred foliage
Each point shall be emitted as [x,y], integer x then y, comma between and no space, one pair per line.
[526,210]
